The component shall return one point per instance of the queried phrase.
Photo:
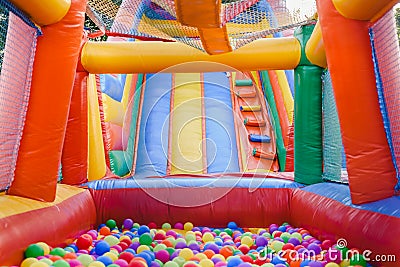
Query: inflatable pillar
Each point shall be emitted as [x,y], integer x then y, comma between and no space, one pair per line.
[349,55]
[308,116]
[52,81]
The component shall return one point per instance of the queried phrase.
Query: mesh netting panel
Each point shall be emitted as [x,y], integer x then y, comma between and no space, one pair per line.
[387,67]
[245,20]
[332,141]
[18,49]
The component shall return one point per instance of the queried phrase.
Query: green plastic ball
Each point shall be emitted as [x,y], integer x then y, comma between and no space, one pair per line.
[34,251]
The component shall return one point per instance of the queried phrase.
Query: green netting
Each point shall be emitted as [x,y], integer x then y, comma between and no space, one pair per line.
[332,141]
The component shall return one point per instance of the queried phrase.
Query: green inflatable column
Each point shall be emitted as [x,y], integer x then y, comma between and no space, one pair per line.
[307,116]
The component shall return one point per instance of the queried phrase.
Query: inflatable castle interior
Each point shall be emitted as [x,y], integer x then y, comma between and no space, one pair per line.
[215,112]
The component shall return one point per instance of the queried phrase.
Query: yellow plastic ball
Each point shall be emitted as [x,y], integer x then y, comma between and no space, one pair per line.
[206,263]
[45,247]
[96,264]
[186,253]
[207,237]
[111,255]
[247,240]
[201,256]
[142,248]
[218,256]
[47,261]
[188,226]
[28,262]
[332,264]
[345,263]
[39,264]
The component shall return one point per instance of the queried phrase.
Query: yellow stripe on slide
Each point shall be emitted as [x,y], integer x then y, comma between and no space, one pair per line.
[12,205]
[287,95]
[186,142]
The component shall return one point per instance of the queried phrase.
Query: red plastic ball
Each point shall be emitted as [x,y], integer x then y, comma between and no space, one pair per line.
[84,241]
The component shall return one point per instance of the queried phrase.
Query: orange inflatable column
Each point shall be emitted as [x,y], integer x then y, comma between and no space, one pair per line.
[52,81]
[371,172]
[75,149]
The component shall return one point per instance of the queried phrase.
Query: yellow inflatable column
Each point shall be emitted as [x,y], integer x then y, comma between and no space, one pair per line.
[96,157]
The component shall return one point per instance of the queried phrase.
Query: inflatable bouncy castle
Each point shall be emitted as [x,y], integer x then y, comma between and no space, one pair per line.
[199,133]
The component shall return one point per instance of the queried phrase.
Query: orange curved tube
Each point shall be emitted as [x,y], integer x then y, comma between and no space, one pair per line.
[347,44]
[75,153]
[52,81]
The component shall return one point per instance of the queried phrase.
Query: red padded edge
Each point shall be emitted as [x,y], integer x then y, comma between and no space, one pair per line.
[361,228]
[221,205]
[52,225]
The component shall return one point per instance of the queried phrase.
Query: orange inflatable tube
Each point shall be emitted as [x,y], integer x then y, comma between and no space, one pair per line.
[52,81]
[371,173]
[74,155]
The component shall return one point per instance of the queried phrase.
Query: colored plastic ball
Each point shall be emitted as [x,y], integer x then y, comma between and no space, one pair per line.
[358,259]
[96,264]
[121,263]
[163,255]
[143,229]
[58,252]
[85,259]
[171,264]
[84,241]
[188,226]
[332,264]
[61,263]
[232,225]
[247,240]
[128,223]
[104,259]
[234,261]
[166,226]
[145,239]
[101,247]
[111,224]
[45,247]
[34,251]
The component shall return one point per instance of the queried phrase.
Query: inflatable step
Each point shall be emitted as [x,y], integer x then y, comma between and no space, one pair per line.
[250,108]
[243,94]
[259,138]
[264,155]
[254,123]
[247,82]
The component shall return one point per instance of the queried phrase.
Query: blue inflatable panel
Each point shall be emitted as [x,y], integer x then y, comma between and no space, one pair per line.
[341,193]
[222,154]
[259,138]
[152,151]
[231,182]
[290,79]
[111,85]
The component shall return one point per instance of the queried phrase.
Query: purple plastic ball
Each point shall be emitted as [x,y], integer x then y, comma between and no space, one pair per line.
[294,241]
[314,247]
[128,223]
[178,226]
[261,241]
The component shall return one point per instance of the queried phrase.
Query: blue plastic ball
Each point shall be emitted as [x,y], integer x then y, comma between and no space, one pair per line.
[101,247]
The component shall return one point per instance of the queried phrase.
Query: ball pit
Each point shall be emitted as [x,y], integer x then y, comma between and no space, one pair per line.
[134,245]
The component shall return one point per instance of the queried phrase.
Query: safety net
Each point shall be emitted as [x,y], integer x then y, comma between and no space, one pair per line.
[385,47]
[243,21]
[17,50]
